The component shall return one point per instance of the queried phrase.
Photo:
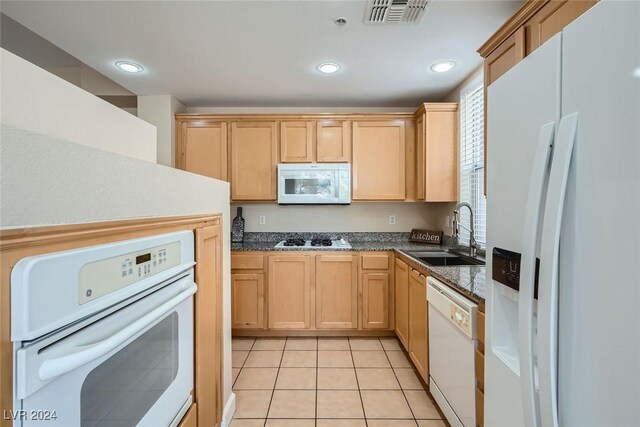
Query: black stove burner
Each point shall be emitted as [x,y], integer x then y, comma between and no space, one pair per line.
[294,242]
[321,240]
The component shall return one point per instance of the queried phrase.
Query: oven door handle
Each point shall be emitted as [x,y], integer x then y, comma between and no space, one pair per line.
[82,355]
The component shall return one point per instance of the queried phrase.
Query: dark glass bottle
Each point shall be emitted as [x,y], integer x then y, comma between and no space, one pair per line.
[237,228]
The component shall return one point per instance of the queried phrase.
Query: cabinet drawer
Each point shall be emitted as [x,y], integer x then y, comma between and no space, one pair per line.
[247,261]
[375,261]
[479,370]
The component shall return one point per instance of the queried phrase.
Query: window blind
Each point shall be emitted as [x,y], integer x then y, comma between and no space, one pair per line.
[472,163]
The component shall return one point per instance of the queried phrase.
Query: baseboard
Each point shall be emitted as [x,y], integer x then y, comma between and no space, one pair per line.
[229,410]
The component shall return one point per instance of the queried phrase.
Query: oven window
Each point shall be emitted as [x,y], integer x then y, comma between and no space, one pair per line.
[123,388]
[316,186]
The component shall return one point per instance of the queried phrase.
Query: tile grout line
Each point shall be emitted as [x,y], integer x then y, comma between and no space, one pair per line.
[355,372]
[273,391]
[400,385]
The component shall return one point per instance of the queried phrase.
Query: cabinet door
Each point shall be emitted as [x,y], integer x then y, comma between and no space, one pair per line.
[336,292]
[379,160]
[333,142]
[375,300]
[289,291]
[254,156]
[441,153]
[247,300]
[202,149]
[421,163]
[551,19]
[296,142]
[208,325]
[418,329]
[505,56]
[402,302]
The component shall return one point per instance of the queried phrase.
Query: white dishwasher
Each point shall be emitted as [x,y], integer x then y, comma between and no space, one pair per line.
[452,342]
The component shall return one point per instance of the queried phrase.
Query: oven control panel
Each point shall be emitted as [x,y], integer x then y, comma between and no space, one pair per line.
[104,276]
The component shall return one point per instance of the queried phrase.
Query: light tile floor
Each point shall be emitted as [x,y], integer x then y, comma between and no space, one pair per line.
[328,382]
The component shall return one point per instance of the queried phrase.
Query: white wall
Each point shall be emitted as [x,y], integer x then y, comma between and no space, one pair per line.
[359,216]
[159,110]
[47,181]
[38,101]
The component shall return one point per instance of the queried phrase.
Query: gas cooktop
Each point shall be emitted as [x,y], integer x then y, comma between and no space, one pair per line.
[318,242]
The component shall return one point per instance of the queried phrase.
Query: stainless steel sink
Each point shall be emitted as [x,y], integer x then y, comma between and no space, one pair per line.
[445,258]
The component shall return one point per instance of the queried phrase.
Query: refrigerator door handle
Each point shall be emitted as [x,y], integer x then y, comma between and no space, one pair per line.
[528,272]
[549,262]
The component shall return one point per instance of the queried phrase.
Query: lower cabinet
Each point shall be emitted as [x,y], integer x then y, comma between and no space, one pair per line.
[418,326]
[402,302]
[247,300]
[336,292]
[190,418]
[375,300]
[289,291]
[329,291]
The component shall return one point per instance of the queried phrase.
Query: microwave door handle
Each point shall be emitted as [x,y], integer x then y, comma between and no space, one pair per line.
[82,355]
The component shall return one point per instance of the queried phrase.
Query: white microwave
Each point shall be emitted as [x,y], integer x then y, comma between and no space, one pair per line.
[314,184]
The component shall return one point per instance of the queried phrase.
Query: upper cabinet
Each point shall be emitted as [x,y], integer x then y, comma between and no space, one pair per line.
[379,160]
[254,158]
[201,147]
[437,152]
[533,24]
[333,141]
[296,142]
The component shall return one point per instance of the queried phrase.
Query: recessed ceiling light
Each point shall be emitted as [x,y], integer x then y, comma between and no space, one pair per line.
[340,22]
[442,67]
[129,67]
[328,67]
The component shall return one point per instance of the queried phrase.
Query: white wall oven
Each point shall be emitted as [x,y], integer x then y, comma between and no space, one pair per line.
[315,184]
[103,336]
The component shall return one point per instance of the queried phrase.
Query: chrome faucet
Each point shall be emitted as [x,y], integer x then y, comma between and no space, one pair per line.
[473,246]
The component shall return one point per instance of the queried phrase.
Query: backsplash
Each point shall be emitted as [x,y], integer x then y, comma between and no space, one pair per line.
[357,217]
[349,236]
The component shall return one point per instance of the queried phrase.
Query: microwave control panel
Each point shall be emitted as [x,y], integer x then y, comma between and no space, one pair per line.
[102,277]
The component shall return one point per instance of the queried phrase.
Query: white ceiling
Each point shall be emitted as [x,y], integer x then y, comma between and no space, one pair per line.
[264,53]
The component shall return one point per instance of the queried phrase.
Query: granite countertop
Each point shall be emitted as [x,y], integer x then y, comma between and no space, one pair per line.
[468,280]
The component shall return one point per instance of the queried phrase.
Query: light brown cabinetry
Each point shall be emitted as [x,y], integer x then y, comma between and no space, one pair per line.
[247,300]
[296,142]
[418,323]
[551,19]
[437,152]
[190,418]
[208,328]
[378,168]
[201,147]
[336,291]
[333,141]
[375,300]
[289,291]
[402,302]
[504,57]
[254,157]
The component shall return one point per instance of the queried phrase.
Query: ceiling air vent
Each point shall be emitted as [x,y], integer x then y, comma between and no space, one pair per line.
[395,11]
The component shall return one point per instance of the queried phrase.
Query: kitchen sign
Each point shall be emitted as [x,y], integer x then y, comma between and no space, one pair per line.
[426,236]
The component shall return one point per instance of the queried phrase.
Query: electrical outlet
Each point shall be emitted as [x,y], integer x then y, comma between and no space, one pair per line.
[447,221]
[392,219]
[262,219]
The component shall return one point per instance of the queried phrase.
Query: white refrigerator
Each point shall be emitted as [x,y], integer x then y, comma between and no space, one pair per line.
[563,229]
